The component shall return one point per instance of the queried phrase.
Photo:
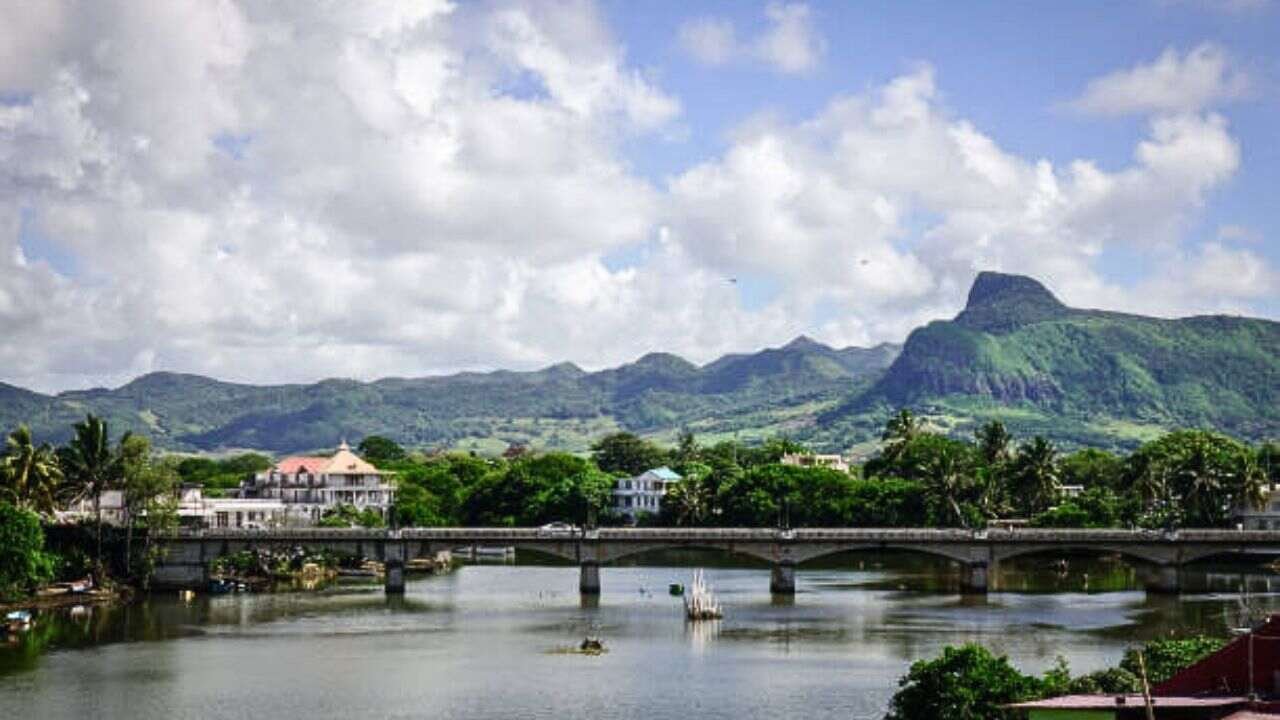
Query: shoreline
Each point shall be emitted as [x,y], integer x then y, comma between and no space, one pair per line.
[120,594]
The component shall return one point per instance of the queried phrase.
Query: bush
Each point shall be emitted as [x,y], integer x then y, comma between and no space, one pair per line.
[964,683]
[24,564]
[1164,658]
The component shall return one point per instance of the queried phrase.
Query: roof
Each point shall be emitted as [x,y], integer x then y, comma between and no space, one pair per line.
[1251,715]
[1226,671]
[664,472]
[1108,702]
[343,462]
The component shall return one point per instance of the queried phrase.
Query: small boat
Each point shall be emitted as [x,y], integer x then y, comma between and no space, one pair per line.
[18,621]
[81,586]
[676,589]
[220,587]
[700,603]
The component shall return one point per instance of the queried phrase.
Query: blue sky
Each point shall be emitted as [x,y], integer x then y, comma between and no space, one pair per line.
[408,188]
[1010,68]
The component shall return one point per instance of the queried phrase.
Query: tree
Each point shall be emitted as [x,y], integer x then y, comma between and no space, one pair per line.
[690,501]
[1164,658]
[1090,468]
[1035,476]
[945,466]
[898,433]
[625,453]
[379,450]
[91,468]
[1194,477]
[145,482]
[23,563]
[964,683]
[29,473]
[993,443]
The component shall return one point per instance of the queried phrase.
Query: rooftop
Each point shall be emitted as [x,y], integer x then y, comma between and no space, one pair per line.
[1100,702]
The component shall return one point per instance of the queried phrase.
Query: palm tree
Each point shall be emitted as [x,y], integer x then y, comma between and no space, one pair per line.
[947,481]
[91,467]
[898,433]
[993,443]
[29,472]
[1036,474]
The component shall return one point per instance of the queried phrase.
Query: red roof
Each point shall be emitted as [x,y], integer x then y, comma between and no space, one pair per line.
[1227,671]
[295,464]
[1108,702]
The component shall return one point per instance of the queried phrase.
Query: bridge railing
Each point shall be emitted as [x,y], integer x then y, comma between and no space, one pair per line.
[722,535]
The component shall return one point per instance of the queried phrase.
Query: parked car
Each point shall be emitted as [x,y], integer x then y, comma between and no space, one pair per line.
[557,528]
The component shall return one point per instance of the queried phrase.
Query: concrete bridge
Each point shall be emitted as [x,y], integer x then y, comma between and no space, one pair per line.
[1157,555]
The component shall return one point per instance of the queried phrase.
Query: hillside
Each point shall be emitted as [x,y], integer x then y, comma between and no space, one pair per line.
[751,395]
[1016,353]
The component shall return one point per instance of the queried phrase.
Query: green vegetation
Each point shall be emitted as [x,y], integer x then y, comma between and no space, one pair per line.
[24,564]
[970,683]
[220,475]
[346,516]
[1079,376]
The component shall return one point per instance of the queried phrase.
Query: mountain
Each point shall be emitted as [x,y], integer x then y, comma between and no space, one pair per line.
[1014,353]
[1017,353]
[562,406]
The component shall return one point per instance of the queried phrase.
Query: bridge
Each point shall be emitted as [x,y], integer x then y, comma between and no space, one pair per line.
[1158,555]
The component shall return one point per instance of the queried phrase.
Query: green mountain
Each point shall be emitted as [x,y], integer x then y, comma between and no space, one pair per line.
[562,406]
[1016,353]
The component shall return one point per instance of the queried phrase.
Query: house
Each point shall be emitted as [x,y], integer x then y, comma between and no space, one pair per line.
[1266,518]
[1239,682]
[307,485]
[643,493]
[832,462]
[1130,707]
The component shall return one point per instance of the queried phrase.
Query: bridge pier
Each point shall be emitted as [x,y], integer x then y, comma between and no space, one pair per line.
[1162,580]
[977,578]
[393,565]
[782,579]
[589,578]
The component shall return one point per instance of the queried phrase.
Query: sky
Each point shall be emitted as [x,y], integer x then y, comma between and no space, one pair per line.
[289,191]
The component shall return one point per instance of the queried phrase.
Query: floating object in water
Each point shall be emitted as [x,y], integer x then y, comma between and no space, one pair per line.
[676,589]
[18,621]
[220,587]
[700,603]
[186,595]
[591,645]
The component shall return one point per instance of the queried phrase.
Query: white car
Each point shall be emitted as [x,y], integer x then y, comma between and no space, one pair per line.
[557,528]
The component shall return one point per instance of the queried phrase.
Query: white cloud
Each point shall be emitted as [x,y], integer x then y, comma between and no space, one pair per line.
[293,192]
[711,41]
[789,43]
[1172,82]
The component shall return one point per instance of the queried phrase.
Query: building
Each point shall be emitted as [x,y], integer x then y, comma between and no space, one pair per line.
[832,462]
[1239,682]
[308,485]
[1266,518]
[643,493]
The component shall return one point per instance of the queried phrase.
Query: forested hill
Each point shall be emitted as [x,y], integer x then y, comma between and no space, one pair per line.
[1017,353]
[752,395]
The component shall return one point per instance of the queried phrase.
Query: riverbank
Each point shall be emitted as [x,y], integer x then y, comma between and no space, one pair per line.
[116,594]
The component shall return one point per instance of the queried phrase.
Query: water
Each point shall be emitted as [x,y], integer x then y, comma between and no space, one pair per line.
[492,641]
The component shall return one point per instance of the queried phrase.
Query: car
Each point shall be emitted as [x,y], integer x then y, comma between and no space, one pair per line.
[557,528]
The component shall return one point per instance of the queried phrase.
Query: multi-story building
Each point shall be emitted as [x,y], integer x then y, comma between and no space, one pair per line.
[833,462]
[308,485]
[643,493]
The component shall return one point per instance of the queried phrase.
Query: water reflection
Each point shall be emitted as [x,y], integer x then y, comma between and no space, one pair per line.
[481,642]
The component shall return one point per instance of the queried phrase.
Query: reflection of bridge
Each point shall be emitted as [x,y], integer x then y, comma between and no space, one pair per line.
[188,554]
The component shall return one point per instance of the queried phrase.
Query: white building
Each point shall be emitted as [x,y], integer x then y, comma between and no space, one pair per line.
[833,462]
[1268,518]
[306,486]
[643,493]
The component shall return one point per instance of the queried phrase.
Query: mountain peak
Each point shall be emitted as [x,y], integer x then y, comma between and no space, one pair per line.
[1000,302]
[993,287]
[804,342]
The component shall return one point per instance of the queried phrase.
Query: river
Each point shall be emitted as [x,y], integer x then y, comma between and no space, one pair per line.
[493,641]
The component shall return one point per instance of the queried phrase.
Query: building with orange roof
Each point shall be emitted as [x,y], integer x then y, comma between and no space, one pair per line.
[307,485]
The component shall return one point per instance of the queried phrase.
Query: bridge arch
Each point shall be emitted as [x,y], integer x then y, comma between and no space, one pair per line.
[960,554]
[620,552]
[1144,554]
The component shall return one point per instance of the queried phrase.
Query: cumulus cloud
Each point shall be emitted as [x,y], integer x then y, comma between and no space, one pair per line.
[275,192]
[789,44]
[1172,82]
